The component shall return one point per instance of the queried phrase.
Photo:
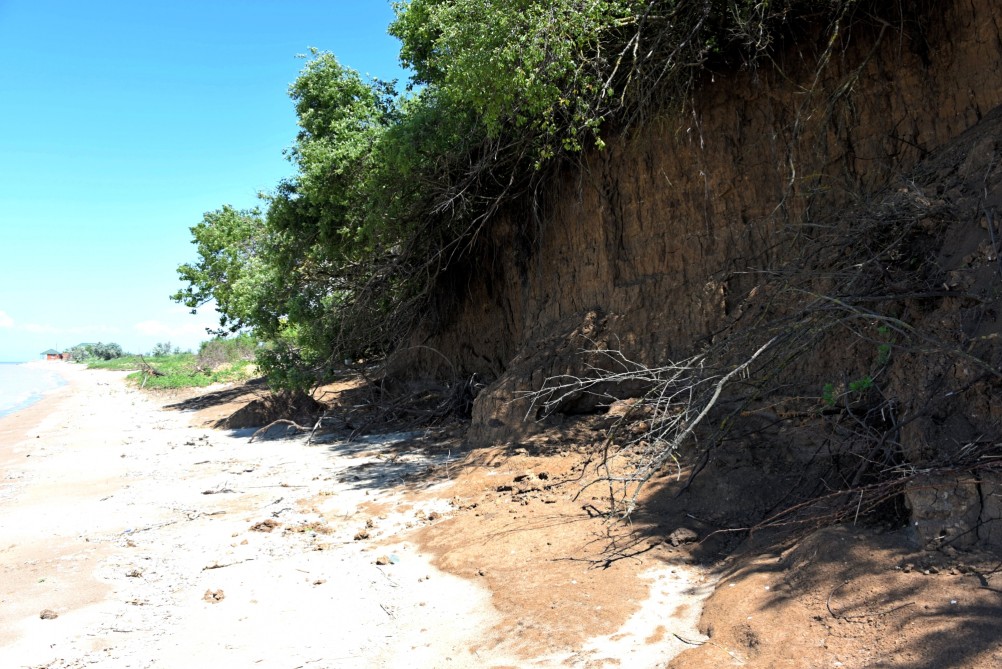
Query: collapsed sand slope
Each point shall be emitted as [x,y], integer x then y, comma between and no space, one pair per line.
[162,545]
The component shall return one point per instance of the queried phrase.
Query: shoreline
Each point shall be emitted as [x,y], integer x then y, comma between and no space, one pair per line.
[18,424]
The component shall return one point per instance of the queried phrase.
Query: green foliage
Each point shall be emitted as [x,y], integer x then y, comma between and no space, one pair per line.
[227,350]
[884,348]
[98,351]
[861,385]
[180,370]
[341,119]
[124,363]
[554,72]
[230,244]
[828,394]
[164,348]
[183,371]
[857,387]
[79,353]
[525,65]
[883,354]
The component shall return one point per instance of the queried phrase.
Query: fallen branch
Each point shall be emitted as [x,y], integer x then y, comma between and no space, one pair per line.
[216,565]
[218,491]
[682,395]
[281,421]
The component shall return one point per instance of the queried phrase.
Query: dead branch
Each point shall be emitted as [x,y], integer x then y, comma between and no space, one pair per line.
[281,421]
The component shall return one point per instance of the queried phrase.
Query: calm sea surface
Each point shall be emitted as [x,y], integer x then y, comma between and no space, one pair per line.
[21,385]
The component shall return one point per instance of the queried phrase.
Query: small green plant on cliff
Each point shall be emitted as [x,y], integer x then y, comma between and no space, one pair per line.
[884,348]
[829,394]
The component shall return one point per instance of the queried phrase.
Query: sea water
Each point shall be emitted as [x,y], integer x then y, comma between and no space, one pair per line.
[22,385]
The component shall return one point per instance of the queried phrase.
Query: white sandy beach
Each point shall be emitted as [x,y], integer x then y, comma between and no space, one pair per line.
[135,528]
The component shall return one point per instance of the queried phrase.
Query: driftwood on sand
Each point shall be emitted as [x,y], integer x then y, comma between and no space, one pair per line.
[288,427]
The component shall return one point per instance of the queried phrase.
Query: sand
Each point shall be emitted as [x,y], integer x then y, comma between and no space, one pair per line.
[158,543]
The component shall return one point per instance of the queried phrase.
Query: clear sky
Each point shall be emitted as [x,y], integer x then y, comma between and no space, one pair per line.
[120,124]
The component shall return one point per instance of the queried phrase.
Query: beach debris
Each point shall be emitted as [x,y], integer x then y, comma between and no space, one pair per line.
[219,565]
[214,596]
[48,614]
[135,573]
[313,528]
[383,560]
[218,491]
[266,525]
[147,368]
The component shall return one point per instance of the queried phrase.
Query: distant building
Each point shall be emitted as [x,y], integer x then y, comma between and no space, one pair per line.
[52,354]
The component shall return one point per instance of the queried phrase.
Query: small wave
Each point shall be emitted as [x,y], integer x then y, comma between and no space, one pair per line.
[21,386]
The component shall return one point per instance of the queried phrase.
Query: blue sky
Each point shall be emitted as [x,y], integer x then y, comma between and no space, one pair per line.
[120,124]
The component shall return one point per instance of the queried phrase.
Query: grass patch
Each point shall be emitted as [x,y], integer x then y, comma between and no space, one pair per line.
[180,370]
[122,364]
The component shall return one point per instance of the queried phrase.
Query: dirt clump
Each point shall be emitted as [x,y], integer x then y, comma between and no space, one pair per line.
[214,596]
[297,408]
[266,525]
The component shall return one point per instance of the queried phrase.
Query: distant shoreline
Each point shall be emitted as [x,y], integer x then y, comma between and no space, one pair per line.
[30,412]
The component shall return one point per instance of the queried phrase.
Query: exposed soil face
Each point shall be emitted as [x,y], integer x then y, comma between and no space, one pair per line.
[844,204]
[651,246]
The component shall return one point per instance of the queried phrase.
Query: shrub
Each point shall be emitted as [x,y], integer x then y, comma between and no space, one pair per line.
[164,348]
[223,350]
